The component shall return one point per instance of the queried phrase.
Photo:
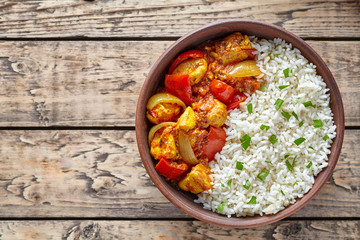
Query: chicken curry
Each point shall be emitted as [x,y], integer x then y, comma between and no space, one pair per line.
[189,113]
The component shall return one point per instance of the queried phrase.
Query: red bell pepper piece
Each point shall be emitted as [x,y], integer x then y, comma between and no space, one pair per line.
[236,100]
[179,85]
[222,91]
[171,170]
[184,56]
[215,142]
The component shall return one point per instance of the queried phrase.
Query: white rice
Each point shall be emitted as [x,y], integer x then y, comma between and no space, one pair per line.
[281,187]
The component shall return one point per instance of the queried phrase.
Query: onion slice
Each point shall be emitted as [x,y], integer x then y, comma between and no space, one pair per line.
[246,68]
[157,127]
[164,97]
[186,150]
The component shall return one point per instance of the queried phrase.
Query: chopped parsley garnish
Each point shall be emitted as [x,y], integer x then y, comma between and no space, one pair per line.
[239,165]
[245,141]
[276,55]
[262,127]
[283,86]
[273,139]
[222,185]
[288,155]
[309,165]
[299,141]
[278,103]
[295,115]
[309,104]
[295,183]
[252,200]
[286,72]
[247,184]
[263,88]
[268,162]
[262,175]
[331,101]
[298,100]
[282,193]
[318,124]
[326,137]
[286,115]
[301,123]
[311,147]
[229,183]
[270,54]
[230,143]
[289,166]
[249,108]
[221,206]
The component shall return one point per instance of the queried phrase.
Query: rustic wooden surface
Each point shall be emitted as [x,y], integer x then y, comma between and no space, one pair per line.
[70,75]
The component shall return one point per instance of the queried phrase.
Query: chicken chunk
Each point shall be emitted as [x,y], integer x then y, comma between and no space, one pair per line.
[195,68]
[234,48]
[187,120]
[163,144]
[210,111]
[197,180]
[163,112]
[198,138]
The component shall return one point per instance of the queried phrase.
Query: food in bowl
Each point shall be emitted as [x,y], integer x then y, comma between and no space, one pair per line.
[256,107]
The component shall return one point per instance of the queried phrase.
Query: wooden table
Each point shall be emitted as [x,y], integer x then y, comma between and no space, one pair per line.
[70,75]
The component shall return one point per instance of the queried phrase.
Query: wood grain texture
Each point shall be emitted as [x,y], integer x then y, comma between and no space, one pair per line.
[171,18]
[91,174]
[96,83]
[175,230]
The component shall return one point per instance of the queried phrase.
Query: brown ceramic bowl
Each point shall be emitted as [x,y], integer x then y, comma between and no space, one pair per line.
[155,78]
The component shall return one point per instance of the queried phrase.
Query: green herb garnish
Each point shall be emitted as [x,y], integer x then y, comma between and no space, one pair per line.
[326,137]
[331,101]
[282,193]
[309,165]
[298,100]
[299,141]
[273,139]
[245,141]
[222,185]
[262,175]
[263,88]
[229,183]
[249,108]
[295,183]
[262,127]
[301,123]
[221,206]
[276,55]
[239,165]
[247,184]
[295,115]
[286,72]
[230,143]
[268,162]
[286,115]
[311,147]
[270,54]
[292,165]
[283,86]
[309,104]
[252,200]
[288,155]
[278,103]
[317,124]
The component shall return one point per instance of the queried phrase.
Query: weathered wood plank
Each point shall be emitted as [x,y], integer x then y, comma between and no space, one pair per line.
[97,83]
[100,174]
[171,18]
[172,230]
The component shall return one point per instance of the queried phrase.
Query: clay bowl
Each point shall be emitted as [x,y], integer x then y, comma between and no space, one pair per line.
[155,78]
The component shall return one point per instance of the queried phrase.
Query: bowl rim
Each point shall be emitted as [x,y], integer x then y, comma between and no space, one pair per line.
[221,220]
